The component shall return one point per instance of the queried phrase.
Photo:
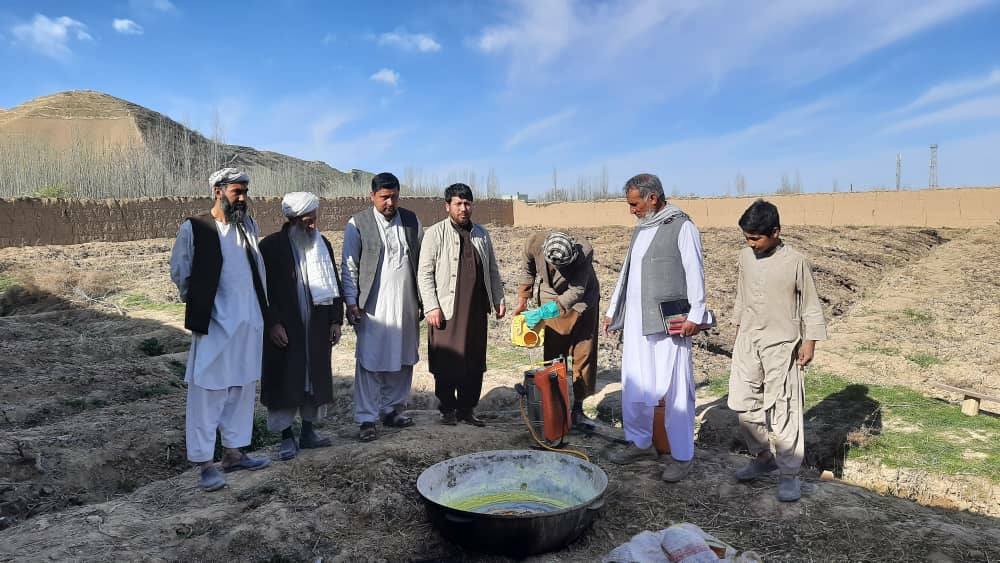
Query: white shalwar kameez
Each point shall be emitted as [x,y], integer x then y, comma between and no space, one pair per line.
[224,365]
[389,333]
[659,366]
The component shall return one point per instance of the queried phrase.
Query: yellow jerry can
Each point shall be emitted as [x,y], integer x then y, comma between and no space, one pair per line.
[521,335]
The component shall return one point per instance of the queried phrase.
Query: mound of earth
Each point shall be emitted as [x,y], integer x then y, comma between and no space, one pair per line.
[88,122]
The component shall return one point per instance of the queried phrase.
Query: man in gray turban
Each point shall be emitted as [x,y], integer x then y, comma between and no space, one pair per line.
[219,274]
[557,272]
[307,313]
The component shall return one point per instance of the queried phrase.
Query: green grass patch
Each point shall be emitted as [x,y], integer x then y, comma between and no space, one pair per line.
[924,359]
[918,316]
[138,301]
[872,348]
[918,432]
[6,282]
[717,385]
[506,357]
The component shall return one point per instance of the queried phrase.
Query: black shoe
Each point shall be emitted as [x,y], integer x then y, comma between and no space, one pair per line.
[367,432]
[582,422]
[470,418]
[449,418]
[310,440]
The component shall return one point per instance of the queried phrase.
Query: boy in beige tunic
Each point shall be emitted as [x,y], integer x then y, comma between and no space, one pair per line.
[779,318]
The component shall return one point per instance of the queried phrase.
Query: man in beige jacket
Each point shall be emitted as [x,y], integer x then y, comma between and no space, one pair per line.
[459,286]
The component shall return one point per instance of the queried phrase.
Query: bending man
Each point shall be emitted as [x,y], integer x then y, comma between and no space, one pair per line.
[569,296]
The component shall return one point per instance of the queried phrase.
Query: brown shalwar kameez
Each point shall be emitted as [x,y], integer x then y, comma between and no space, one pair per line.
[576,289]
[457,351]
[777,307]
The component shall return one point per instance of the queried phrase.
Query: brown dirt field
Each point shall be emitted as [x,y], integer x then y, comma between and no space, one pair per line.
[935,320]
[88,419]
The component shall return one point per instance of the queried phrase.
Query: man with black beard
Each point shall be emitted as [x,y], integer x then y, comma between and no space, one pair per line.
[219,274]
[307,311]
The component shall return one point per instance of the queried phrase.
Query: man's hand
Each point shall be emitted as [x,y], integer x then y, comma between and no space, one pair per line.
[335,334]
[522,304]
[501,311]
[683,327]
[278,336]
[435,318]
[607,323]
[354,314]
[806,352]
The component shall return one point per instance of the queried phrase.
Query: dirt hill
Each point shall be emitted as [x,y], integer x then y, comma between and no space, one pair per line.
[87,121]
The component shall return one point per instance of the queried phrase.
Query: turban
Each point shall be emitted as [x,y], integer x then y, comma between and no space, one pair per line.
[228,176]
[297,204]
[559,249]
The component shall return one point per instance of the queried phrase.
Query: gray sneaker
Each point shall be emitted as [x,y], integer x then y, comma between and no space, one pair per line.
[789,488]
[288,450]
[675,471]
[211,479]
[755,470]
[631,454]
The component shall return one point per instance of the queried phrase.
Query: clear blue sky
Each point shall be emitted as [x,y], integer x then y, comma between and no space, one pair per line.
[693,91]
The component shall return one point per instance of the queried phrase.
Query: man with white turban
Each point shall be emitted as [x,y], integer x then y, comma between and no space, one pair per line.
[379,269]
[557,272]
[217,268]
[307,311]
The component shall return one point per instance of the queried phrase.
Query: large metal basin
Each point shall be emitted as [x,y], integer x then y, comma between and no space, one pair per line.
[515,502]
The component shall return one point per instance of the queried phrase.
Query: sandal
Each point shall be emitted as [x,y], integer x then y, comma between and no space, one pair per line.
[396,420]
[367,433]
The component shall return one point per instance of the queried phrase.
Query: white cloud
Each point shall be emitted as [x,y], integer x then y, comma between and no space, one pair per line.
[677,45]
[127,27]
[51,37]
[328,38]
[165,6]
[324,126]
[386,76]
[975,109]
[954,89]
[409,41]
[538,128]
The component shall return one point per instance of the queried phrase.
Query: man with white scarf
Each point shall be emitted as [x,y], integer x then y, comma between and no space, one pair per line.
[662,272]
[379,271]
[219,274]
[306,315]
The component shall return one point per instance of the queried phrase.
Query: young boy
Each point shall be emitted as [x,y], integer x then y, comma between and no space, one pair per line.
[778,320]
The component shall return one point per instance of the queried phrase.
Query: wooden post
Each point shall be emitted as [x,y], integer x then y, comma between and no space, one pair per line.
[970,406]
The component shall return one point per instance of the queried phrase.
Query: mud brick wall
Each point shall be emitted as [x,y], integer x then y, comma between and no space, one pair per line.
[35,221]
[948,207]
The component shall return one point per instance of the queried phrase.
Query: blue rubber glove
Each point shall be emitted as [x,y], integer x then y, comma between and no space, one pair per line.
[534,317]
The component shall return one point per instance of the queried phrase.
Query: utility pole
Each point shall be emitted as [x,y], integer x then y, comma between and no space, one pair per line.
[932,180]
[899,169]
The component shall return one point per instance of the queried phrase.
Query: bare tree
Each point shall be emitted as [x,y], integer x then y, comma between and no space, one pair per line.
[492,186]
[741,184]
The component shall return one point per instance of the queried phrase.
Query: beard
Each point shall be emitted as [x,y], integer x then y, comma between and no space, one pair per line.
[301,238]
[234,212]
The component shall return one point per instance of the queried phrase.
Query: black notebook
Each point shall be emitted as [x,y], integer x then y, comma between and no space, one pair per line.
[673,310]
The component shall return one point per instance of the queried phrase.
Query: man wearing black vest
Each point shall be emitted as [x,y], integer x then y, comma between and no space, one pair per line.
[379,273]
[219,274]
